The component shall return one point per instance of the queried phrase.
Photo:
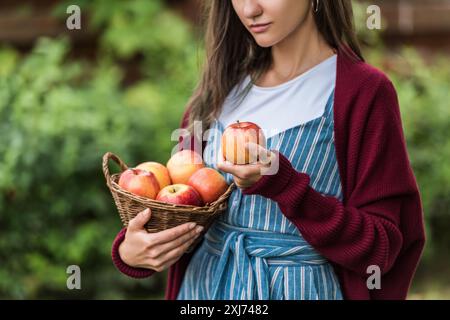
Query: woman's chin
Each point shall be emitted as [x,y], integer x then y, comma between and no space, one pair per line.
[265,43]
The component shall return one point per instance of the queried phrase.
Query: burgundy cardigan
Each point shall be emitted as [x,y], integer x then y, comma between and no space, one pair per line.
[380,220]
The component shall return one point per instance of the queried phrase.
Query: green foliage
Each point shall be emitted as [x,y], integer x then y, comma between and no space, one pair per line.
[59,117]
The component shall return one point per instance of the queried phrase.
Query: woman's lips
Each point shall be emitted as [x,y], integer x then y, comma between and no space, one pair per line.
[259,28]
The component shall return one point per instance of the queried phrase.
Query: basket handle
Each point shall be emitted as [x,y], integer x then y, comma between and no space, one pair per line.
[107,156]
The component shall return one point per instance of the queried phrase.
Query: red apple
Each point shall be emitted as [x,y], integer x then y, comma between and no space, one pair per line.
[139,182]
[209,183]
[160,171]
[234,139]
[183,164]
[180,194]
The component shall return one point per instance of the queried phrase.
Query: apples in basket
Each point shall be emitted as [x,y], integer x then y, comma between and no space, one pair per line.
[183,190]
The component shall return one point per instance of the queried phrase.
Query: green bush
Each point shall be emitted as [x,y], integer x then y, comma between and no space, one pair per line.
[59,117]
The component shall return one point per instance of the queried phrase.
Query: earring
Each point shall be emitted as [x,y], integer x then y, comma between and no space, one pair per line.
[316,9]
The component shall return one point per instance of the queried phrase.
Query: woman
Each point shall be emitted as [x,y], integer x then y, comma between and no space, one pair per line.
[343,204]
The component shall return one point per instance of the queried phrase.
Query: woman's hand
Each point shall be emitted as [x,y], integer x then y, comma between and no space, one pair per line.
[247,175]
[157,251]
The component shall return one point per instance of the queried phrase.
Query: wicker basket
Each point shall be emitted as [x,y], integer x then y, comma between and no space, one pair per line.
[164,215]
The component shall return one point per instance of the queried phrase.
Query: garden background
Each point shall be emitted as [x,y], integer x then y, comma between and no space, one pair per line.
[120,84]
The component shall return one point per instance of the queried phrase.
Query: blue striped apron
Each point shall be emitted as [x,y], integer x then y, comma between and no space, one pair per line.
[253,251]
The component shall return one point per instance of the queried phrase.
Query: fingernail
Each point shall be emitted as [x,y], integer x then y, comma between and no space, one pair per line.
[146,211]
[199,229]
[192,225]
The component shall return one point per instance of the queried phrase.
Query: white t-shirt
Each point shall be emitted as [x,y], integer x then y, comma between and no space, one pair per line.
[276,109]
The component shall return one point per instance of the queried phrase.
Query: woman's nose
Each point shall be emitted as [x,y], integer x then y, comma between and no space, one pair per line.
[252,9]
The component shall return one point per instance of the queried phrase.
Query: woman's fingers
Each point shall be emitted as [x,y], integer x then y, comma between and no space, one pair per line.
[168,246]
[242,171]
[169,258]
[138,222]
[169,263]
[178,251]
[258,152]
[171,234]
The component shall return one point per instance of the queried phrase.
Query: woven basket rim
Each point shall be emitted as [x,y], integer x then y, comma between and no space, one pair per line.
[169,206]
[112,183]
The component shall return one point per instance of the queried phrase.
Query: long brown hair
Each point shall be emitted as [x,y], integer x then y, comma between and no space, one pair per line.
[232,53]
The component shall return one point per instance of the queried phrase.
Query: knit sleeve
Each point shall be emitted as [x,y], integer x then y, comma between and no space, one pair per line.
[121,265]
[364,230]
